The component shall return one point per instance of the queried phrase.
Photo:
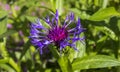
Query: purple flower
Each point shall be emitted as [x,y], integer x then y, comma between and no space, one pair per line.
[7,7]
[9,26]
[59,35]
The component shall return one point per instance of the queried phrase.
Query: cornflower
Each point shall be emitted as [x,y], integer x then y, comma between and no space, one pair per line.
[61,35]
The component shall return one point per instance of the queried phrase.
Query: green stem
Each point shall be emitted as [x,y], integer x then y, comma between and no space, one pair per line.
[65,64]
[63,61]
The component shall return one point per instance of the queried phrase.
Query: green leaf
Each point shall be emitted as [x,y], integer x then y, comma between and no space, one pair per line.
[65,64]
[9,32]
[31,18]
[96,2]
[108,32]
[7,67]
[3,50]
[104,14]
[14,65]
[98,61]
[118,24]
[3,22]
[63,61]
[4,60]
[2,14]
[105,3]
[81,47]
[75,54]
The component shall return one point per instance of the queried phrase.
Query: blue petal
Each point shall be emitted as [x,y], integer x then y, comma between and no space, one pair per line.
[47,19]
[72,16]
[56,15]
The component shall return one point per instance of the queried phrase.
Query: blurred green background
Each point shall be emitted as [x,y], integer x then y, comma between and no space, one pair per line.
[101,18]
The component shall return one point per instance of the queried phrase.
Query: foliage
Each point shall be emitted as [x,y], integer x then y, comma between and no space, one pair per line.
[99,52]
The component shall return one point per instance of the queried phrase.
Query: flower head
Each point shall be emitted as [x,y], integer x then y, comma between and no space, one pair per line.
[59,35]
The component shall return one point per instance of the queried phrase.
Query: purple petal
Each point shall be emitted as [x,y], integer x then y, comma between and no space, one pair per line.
[56,15]
[72,16]
[47,19]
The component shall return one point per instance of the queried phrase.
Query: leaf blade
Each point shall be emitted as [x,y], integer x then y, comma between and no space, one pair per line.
[65,64]
[3,22]
[98,61]
[104,14]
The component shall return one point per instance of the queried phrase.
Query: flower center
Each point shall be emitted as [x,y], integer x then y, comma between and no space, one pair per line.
[57,34]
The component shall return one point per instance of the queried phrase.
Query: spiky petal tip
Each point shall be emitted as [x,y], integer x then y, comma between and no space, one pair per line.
[59,35]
